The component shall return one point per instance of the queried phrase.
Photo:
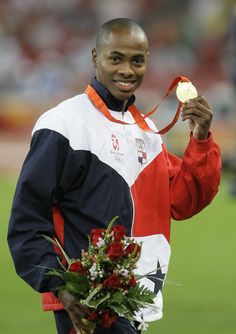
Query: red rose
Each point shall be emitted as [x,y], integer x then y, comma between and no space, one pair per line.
[119,232]
[95,234]
[108,318]
[92,316]
[77,267]
[114,250]
[111,282]
[130,248]
[132,281]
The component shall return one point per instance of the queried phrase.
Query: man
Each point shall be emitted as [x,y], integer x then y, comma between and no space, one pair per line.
[87,167]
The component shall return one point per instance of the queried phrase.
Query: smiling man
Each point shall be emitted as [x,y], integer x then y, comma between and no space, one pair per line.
[86,166]
[120,57]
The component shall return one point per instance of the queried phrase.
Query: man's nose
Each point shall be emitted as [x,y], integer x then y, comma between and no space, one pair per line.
[125,70]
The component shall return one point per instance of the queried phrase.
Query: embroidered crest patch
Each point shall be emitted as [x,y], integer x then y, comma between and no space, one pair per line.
[142,154]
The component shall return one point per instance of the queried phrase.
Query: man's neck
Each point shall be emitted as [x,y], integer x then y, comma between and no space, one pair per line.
[112,102]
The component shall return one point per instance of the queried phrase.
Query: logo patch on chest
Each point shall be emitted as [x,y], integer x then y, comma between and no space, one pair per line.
[142,154]
[115,151]
[115,143]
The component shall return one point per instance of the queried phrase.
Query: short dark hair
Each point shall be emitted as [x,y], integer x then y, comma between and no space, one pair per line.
[117,25]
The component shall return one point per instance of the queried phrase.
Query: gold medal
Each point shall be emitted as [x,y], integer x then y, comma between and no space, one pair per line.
[186,91]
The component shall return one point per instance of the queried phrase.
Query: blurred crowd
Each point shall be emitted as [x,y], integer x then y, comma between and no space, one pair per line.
[45,45]
[45,54]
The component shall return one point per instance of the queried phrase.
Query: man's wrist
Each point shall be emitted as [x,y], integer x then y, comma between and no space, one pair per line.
[201,145]
[199,137]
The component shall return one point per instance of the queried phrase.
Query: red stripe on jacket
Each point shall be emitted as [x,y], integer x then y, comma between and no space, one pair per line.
[49,300]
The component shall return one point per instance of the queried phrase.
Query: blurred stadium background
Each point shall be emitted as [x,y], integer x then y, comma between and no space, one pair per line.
[45,57]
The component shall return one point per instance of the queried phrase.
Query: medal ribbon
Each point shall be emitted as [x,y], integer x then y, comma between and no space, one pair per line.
[138,117]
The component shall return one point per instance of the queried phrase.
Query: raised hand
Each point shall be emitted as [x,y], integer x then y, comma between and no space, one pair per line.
[199,114]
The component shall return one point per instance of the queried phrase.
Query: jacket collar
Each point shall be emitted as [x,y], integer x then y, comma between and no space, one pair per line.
[112,102]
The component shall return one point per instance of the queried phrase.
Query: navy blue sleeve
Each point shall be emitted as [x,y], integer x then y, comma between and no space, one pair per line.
[31,215]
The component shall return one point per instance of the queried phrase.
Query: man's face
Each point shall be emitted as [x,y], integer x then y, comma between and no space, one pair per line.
[120,62]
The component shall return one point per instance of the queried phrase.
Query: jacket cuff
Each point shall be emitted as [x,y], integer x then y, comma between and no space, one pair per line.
[201,145]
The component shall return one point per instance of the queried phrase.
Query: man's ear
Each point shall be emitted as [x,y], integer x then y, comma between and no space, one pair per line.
[94,57]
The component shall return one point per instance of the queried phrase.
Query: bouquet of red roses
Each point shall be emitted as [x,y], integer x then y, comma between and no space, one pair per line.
[103,279]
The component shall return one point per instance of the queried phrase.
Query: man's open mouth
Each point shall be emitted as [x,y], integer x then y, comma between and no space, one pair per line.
[125,85]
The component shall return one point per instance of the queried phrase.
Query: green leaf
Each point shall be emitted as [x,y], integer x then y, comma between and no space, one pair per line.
[97,302]
[141,294]
[73,276]
[57,243]
[111,224]
[120,309]
[139,277]
[92,294]
[117,297]
[54,272]
[76,283]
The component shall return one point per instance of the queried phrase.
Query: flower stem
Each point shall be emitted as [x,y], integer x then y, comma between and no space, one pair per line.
[87,327]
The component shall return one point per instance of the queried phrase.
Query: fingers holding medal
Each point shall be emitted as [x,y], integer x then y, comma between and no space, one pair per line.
[196,109]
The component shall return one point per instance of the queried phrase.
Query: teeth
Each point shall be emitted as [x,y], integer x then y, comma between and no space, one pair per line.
[124,83]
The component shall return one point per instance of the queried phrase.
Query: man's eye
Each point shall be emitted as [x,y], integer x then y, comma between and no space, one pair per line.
[138,61]
[115,59]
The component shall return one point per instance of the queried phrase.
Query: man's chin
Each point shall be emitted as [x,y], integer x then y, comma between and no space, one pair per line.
[122,95]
